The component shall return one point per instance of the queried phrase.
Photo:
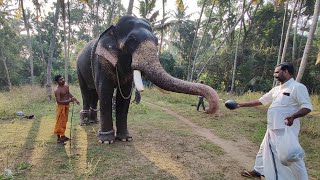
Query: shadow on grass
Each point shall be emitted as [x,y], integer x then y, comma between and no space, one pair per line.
[42,154]
[120,160]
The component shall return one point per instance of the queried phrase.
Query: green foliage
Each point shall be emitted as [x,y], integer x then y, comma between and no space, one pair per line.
[168,62]
[23,166]
[257,55]
[10,43]
[146,6]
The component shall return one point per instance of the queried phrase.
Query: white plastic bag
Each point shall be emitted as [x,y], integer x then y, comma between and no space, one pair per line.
[288,147]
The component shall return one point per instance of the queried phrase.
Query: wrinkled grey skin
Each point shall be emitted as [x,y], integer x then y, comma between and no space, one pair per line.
[108,63]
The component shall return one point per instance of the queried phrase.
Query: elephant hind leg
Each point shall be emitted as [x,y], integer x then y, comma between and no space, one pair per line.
[90,99]
[106,137]
[123,137]
[89,113]
[84,117]
[93,118]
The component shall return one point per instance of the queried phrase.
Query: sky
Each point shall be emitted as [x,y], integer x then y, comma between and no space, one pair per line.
[191,6]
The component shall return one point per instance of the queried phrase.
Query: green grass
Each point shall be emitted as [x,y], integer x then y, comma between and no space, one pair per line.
[163,147]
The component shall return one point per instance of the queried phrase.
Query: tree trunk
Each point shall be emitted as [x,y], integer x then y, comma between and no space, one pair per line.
[309,41]
[162,23]
[69,32]
[66,60]
[194,39]
[96,20]
[281,40]
[247,30]
[26,25]
[6,70]
[302,35]
[294,43]
[236,53]
[51,50]
[130,7]
[225,39]
[204,33]
[111,13]
[283,56]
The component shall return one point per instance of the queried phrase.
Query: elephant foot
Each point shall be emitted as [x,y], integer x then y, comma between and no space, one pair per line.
[93,118]
[106,137]
[124,137]
[84,117]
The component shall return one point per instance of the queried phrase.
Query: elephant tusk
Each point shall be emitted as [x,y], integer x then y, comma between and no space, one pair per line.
[137,80]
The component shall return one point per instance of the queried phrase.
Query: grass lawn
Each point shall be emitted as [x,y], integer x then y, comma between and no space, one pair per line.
[163,147]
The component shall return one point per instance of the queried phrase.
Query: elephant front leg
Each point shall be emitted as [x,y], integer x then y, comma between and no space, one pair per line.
[106,133]
[122,107]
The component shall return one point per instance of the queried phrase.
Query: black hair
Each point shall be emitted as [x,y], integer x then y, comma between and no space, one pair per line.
[286,66]
[57,77]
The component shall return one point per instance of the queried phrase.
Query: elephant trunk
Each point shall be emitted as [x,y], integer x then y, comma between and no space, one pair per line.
[145,59]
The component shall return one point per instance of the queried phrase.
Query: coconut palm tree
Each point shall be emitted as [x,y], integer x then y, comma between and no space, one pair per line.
[28,40]
[189,77]
[51,50]
[130,7]
[309,41]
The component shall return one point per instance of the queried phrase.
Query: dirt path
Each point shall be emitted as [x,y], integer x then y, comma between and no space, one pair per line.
[242,151]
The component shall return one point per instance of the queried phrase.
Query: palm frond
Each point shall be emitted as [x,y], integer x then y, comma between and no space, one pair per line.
[154,16]
[164,26]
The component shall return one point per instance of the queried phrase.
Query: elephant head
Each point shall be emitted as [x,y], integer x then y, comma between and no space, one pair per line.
[134,37]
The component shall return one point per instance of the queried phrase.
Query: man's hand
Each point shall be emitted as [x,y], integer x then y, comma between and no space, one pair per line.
[289,120]
[302,112]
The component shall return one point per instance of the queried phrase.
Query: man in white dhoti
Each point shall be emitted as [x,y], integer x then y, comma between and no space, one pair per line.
[289,101]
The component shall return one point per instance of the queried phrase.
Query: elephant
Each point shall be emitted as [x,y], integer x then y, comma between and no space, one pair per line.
[121,54]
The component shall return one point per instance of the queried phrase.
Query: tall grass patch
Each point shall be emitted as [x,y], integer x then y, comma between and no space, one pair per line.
[20,98]
[315,100]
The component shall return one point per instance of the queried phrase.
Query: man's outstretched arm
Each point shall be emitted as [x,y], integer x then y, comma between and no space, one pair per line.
[249,104]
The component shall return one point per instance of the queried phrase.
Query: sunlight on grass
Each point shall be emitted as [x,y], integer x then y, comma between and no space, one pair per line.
[315,99]
[213,148]
[163,161]
[80,143]
[14,146]
[42,139]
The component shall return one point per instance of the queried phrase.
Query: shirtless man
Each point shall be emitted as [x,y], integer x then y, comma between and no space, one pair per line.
[63,98]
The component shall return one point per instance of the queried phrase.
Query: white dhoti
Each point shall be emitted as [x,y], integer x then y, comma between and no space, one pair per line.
[267,161]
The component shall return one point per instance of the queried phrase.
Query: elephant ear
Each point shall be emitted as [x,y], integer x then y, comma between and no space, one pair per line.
[107,47]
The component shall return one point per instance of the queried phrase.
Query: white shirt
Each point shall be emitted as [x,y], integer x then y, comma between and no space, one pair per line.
[287,99]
